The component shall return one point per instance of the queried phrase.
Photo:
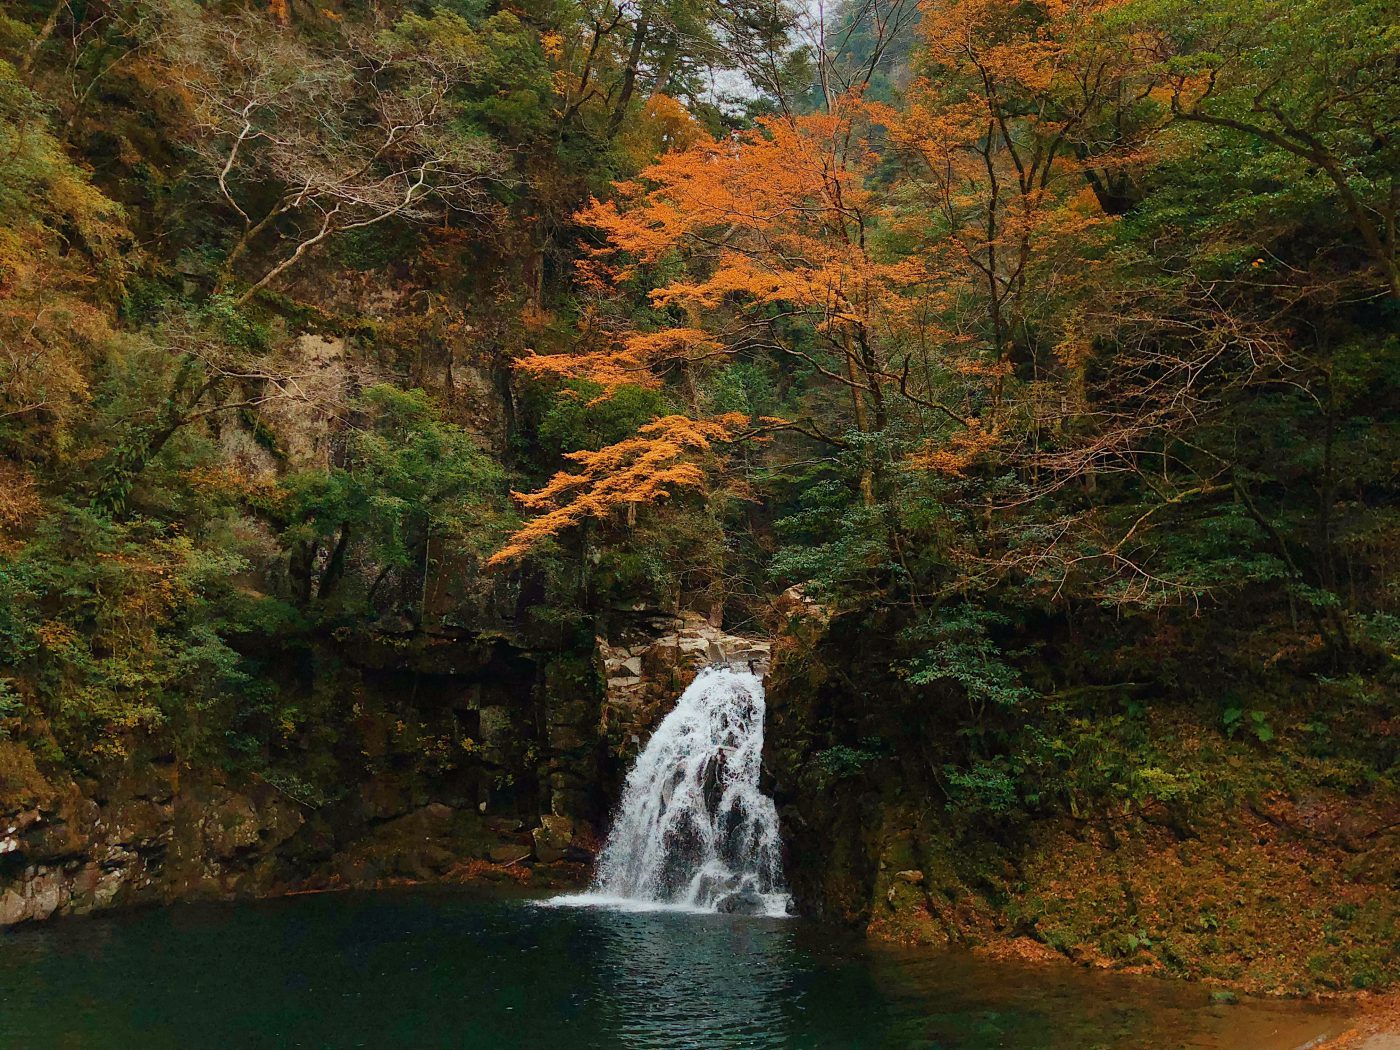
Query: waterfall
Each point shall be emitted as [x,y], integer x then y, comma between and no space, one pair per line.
[693,830]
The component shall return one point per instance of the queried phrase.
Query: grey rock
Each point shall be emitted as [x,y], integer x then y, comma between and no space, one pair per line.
[744,902]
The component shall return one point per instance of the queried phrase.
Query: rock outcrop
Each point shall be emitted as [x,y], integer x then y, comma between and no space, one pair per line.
[436,754]
[145,837]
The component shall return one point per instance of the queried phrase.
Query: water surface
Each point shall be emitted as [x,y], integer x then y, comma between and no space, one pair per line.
[430,968]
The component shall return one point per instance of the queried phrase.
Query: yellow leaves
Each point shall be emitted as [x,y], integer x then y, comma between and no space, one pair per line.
[227,483]
[19,497]
[1074,348]
[643,469]
[58,637]
[663,125]
[86,208]
[50,328]
[959,452]
[60,241]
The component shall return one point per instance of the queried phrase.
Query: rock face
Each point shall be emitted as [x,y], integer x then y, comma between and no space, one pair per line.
[862,847]
[149,838]
[451,750]
[553,838]
[67,854]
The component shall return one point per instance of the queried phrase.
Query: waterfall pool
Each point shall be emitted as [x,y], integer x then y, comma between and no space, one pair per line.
[456,968]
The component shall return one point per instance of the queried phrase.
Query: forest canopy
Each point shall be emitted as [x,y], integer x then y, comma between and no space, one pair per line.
[977,319]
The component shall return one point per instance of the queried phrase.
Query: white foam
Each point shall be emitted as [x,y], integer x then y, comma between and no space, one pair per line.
[693,832]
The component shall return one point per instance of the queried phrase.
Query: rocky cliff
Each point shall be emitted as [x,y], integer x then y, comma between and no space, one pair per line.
[454,755]
[1282,882]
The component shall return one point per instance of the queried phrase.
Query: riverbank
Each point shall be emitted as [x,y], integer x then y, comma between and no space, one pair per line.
[1376,1027]
[1120,834]
[1244,903]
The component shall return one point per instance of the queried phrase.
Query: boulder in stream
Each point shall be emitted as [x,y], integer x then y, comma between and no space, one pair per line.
[743,902]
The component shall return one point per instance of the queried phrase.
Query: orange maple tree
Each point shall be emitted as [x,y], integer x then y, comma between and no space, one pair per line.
[646,468]
[785,228]
[777,222]
[775,228]
[1018,147]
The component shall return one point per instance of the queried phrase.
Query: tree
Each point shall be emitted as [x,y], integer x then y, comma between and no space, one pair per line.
[410,488]
[311,142]
[1315,80]
[999,138]
[776,229]
[647,468]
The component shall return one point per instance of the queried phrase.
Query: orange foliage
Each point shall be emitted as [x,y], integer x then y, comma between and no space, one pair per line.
[962,449]
[643,469]
[776,215]
[1027,94]
[1019,150]
[1001,143]
[636,362]
[780,218]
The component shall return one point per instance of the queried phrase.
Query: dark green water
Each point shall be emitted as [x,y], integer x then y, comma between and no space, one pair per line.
[438,968]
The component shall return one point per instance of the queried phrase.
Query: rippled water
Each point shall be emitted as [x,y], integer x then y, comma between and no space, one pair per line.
[438,968]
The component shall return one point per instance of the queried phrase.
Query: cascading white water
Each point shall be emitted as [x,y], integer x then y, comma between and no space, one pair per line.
[693,829]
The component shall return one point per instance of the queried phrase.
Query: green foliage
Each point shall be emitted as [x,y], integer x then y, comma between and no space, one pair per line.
[119,629]
[1255,722]
[234,325]
[408,480]
[959,647]
[833,543]
[743,386]
[373,247]
[577,418]
[841,761]
[12,706]
[987,789]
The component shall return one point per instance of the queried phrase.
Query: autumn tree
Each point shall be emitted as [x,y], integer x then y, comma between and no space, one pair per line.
[774,231]
[1003,138]
[667,455]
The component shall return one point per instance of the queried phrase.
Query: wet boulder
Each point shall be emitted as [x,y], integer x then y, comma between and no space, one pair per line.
[742,902]
[552,838]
